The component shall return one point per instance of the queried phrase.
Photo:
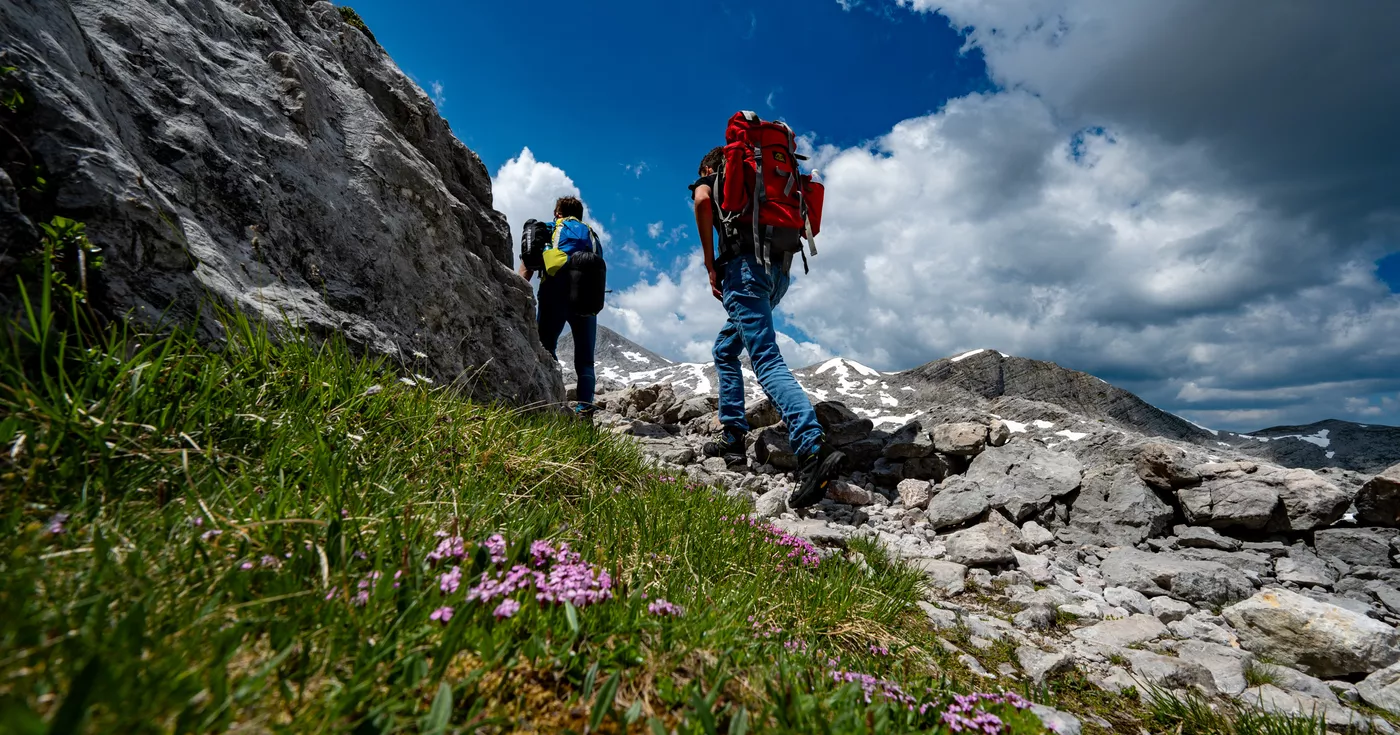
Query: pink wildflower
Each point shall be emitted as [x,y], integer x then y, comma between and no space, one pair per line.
[442,614]
[449,582]
[507,608]
[663,607]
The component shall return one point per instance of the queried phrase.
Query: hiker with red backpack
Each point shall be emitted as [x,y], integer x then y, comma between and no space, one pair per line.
[573,279]
[751,192]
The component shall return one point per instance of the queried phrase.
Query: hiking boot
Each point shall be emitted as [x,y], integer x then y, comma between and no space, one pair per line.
[584,413]
[730,446]
[815,473]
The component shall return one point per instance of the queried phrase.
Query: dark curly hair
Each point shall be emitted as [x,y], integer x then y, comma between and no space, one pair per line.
[714,160]
[568,207]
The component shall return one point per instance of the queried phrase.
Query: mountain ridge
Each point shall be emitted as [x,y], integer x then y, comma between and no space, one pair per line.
[1036,394]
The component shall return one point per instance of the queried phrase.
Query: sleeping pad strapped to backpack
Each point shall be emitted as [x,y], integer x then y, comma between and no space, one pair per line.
[576,255]
[763,197]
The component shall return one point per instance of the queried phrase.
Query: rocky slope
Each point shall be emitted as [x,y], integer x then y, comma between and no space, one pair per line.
[1042,398]
[267,154]
[1142,561]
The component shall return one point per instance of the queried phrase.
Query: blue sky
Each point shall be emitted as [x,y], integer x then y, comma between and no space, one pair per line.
[1176,197]
[627,96]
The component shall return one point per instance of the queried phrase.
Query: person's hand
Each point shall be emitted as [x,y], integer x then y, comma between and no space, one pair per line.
[714,285]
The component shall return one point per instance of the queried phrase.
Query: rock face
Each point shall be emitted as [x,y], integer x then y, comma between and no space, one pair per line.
[1378,503]
[1116,507]
[269,155]
[1315,637]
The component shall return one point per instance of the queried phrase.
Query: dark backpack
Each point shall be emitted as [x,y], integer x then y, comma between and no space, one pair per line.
[764,199]
[575,255]
[534,238]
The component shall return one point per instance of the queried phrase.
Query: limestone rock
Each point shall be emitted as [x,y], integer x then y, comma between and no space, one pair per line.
[1382,689]
[915,493]
[909,442]
[966,439]
[957,502]
[1315,637]
[1303,567]
[1039,665]
[850,494]
[1204,537]
[1378,503]
[1361,547]
[1161,467]
[1170,672]
[1115,507]
[998,433]
[1024,478]
[271,157]
[1230,502]
[944,576]
[986,544]
[762,414]
[1035,535]
[770,446]
[1167,573]
[770,504]
[1168,610]
[1122,633]
[1309,502]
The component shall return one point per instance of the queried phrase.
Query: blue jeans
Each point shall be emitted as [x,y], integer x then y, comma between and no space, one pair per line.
[750,293]
[553,315]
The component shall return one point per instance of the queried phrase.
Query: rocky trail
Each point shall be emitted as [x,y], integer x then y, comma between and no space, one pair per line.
[1142,561]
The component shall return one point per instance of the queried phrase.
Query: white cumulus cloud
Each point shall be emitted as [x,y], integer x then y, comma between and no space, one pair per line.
[525,188]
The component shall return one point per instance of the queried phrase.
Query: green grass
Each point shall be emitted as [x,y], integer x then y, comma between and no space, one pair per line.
[318,469]
[354,20]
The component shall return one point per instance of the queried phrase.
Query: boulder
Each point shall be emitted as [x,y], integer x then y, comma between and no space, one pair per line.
[696,407]
[965,439]
[1360,547]
[1128,599]
[1035,535]
[833,413]
[1226,664]
[1230,502]
[1129,631]
[1162,467]
[915,493]
[998,433]
[851,494]
[770,446]
[1204,537]
[1378,502]
[1315,637]
[957,501]
[1273,700]
[934,468]
[1115,507]
[1303,567]
[1382,689]
[1309,502]
[946,577]
[850,432]
[1024,478]
[1169,574]
[762,414]
[987,544]
[862,454]
[1170,672]
[1168,610]
[909,442]
[1040,665]
[770,504]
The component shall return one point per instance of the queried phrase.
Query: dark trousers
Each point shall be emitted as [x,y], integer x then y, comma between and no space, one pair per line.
[554,313]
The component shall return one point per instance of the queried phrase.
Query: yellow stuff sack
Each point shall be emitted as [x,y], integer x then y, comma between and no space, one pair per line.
[554,259]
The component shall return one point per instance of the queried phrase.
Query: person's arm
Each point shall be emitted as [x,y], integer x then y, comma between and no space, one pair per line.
[705,220]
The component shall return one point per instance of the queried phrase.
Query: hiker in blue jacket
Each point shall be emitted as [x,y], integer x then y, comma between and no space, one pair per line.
[571,242]
[750,291]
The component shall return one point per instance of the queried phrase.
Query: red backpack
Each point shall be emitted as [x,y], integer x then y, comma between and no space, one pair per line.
[762,194]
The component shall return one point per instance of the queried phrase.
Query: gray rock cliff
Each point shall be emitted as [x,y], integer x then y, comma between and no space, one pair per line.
[267,154]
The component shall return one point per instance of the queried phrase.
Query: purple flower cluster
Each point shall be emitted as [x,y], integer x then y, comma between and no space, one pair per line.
[873,687]
[964,714]
[878,650]
[55,525]
[660,606]
[450,547]
[366,586]
[556,573]
[442,614]
[801,552]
